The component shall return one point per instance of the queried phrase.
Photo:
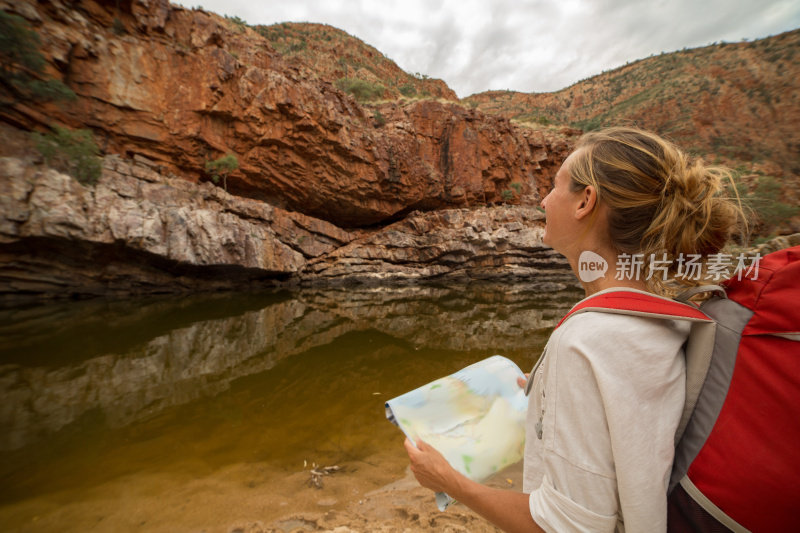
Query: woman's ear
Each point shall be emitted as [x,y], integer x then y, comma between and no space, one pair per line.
[588,201]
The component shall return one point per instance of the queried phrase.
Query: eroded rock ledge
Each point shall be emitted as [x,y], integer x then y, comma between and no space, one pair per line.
[139,232]
[487,243]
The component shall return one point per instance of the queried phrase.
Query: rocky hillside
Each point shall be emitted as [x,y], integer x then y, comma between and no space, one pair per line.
[182,88]
[316,187]
[740,100]
[330,164]
[335,55]
[736,103]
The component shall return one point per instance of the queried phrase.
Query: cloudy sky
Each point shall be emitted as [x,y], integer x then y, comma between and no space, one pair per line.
[524,45]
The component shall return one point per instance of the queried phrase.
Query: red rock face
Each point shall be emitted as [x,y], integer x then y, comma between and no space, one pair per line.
[183,87]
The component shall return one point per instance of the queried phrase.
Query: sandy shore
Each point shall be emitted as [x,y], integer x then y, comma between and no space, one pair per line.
[374,494]
[400,506]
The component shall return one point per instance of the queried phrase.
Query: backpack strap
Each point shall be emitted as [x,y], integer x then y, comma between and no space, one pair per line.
[699,346]
[637,303]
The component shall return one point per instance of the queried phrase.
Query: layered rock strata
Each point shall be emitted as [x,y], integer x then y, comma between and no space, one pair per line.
[139,232]
[455,245]
[168,89]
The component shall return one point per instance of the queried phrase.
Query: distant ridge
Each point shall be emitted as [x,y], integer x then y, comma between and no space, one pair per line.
[736,101]
[335,55]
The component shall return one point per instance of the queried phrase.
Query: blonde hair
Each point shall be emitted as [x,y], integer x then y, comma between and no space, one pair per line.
[661,203]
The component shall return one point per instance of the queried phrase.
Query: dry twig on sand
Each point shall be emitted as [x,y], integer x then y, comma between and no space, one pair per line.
[318,471]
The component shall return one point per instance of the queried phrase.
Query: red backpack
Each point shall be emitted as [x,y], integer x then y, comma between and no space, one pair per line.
[737,455]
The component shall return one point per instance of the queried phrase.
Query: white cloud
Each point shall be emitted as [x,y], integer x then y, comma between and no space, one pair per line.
[525,45]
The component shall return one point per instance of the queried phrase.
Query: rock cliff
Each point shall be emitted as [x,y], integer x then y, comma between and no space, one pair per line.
[183,87]
[136,231]
[458,245]
[327,190]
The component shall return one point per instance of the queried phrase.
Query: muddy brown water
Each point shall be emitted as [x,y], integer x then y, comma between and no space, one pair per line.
[182,413]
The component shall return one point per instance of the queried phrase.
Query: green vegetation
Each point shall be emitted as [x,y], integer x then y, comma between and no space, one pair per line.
[763,200]
[380,121]
[509,194]
[72,152]
[334,54]
[241,24]
[362,90]
[274,32]
[408,89]
[22,68]
[589,124]
[298,46]
[534,117]
[220,168]
[286,38]
[22,65]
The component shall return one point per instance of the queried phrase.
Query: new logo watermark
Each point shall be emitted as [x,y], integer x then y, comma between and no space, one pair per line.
[591,266]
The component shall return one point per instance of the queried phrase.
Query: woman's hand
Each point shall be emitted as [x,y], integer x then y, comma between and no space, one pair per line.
[430,467]
[522,382]
[507,509]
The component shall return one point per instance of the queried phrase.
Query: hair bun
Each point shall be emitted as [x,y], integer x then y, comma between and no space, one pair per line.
[659,201]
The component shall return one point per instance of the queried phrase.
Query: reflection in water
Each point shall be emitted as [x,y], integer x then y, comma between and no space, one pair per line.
[94,390]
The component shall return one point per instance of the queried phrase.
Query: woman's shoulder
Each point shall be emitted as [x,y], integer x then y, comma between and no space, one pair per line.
[592,331]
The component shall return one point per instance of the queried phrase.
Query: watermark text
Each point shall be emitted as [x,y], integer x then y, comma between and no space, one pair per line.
[717,267]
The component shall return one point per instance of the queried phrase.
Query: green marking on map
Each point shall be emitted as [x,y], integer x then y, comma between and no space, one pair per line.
[467,461]
[438,385]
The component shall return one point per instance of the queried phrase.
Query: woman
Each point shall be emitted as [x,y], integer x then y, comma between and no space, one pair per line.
[607,399]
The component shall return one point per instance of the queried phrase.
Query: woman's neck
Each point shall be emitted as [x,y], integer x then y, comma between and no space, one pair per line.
[612,283]
[597,270]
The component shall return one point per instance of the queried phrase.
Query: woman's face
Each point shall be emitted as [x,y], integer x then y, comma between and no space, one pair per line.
[559,207]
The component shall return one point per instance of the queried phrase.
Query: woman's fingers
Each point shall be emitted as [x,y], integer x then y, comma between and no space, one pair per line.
[410,448]
[429,466]
[523,381]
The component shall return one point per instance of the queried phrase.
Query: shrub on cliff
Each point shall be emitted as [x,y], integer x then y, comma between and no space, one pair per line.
[380,121]
[763,199]
[408,90]
[72,152]
[362,90]
[22,65]
[220,168]
[238,22]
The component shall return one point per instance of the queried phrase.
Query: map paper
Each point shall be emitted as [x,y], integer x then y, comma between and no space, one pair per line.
[475,418]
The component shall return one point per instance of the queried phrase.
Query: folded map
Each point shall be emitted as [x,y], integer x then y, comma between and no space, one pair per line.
[475,418]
